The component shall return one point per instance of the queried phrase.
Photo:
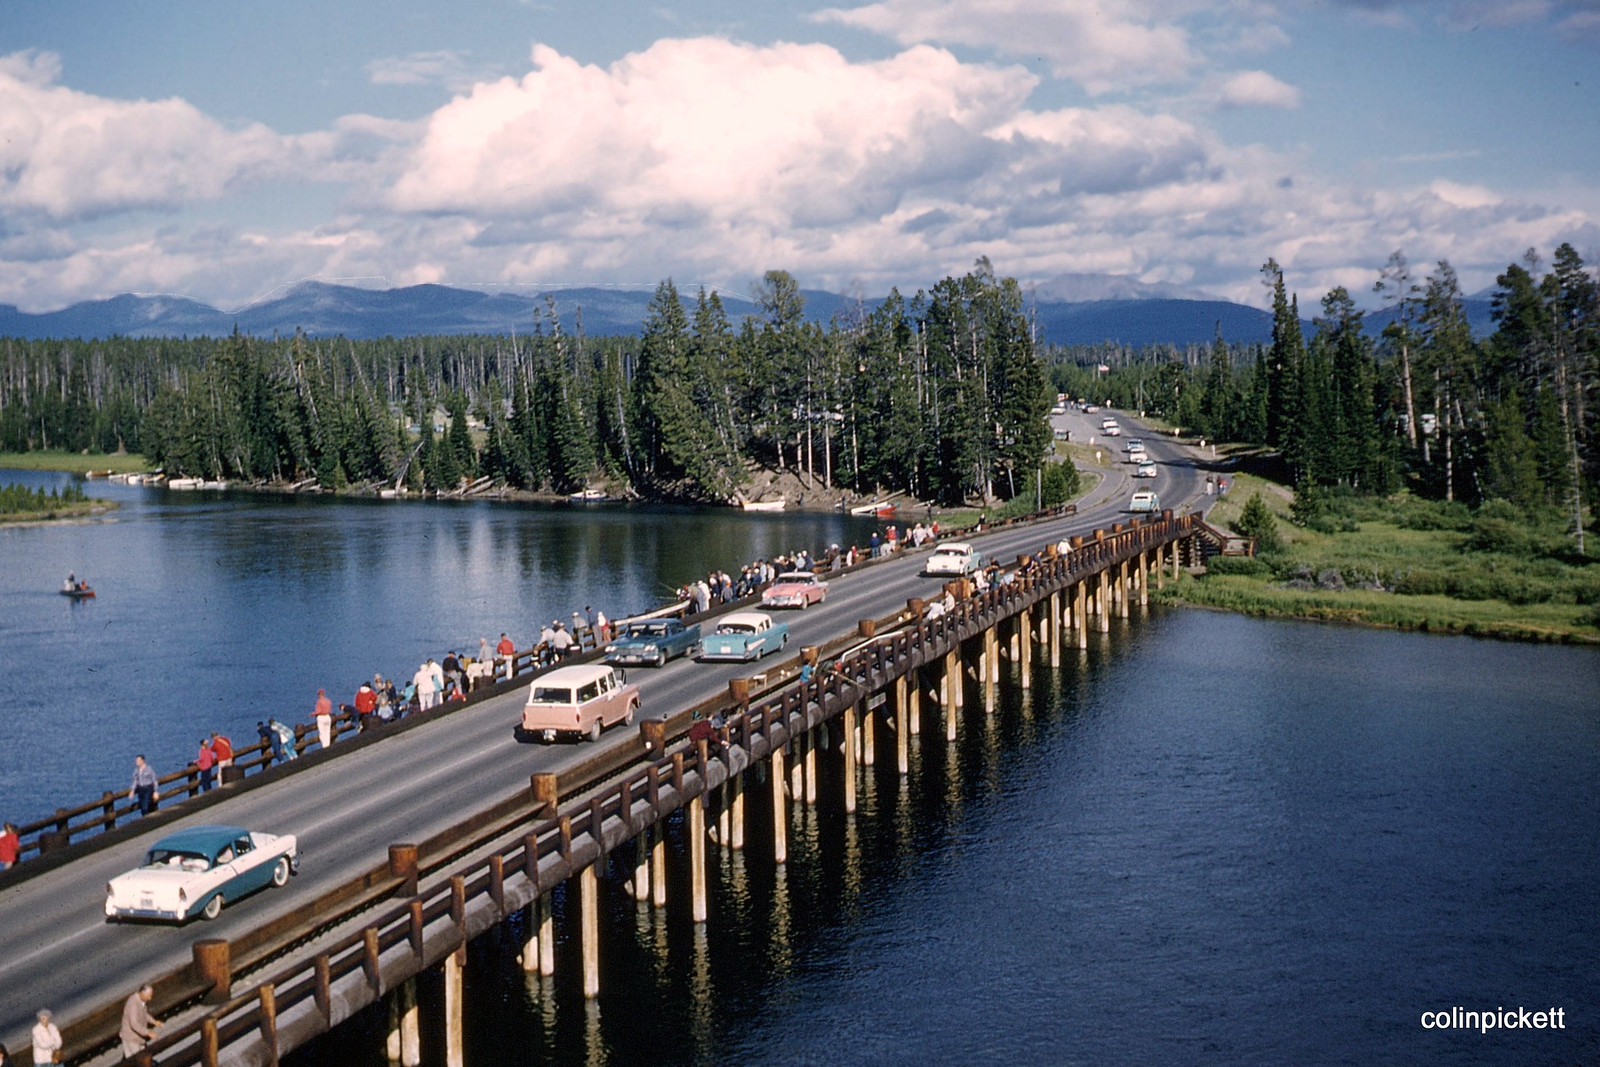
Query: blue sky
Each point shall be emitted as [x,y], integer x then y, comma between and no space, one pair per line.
[223,152]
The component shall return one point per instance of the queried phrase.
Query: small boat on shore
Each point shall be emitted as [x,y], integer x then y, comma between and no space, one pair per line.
[881,509]
[763,505]
[183,483]
[589,496]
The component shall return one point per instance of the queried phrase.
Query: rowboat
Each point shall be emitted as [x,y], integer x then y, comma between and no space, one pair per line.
[81,593]
[763,505]
[588,496]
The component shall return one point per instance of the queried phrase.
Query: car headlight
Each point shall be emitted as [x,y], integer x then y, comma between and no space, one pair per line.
[611,648]
[650,650]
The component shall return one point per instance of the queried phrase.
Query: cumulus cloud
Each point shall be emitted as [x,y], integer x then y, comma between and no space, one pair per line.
[1254,88]
[65,154]
[713,160]
[1101,46]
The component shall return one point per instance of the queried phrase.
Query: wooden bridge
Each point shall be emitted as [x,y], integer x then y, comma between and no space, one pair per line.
[252,999]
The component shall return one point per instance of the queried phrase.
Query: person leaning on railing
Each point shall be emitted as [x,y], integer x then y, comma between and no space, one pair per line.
[10,846]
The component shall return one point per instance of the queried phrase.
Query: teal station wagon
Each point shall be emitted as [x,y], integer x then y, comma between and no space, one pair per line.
[198,869]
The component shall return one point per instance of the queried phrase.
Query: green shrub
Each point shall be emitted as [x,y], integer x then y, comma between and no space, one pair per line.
[1257,520]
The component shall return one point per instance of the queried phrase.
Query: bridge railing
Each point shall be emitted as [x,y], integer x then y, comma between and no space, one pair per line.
[554,846]
[115,807]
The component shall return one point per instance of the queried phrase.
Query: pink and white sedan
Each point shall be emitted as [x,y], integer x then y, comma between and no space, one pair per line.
[795,589]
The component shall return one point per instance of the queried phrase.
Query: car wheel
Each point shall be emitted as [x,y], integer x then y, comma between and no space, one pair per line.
[594,729]
[627,719]
[805,602]
[280,872]
[213,908]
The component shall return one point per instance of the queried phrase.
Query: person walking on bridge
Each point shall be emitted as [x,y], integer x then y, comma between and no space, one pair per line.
[144,786]
[138,1025]
[324,719]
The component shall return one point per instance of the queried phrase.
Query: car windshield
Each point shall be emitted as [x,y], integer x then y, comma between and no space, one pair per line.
[797,579]
[950,552]
[546,694]
[178,860]
[736,628]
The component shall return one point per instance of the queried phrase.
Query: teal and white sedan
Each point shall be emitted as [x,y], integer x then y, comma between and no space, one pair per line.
[744,635]
[196,870]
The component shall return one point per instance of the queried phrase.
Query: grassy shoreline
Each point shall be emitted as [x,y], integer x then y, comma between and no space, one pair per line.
[75,462]
[1408,564]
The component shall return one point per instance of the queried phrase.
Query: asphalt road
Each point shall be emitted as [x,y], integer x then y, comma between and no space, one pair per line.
[59,952]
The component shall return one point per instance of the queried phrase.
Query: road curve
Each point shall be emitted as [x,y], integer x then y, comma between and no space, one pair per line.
[59,952]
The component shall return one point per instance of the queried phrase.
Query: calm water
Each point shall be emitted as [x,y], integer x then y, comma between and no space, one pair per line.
[217,610]
[1212,839]
[1219,840]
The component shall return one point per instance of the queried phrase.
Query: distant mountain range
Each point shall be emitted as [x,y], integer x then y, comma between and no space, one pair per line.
[1071,310]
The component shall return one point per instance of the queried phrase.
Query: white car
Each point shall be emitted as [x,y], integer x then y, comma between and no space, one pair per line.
[196,870]
[578,701]
[1135,448]
[1145,469]
[1144,500]
[1110,429]
[957,559]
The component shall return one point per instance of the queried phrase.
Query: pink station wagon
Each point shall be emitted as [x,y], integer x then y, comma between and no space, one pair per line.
[578,701]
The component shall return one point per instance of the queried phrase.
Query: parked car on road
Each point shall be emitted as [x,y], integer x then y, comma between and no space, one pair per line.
[955,558]
[1145,469]
[198,869]
[795,589]
[744,635]
[652,642]
[580,701]
[1144,500]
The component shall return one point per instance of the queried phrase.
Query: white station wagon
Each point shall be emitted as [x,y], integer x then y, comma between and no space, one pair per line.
[581,700]
[197,870]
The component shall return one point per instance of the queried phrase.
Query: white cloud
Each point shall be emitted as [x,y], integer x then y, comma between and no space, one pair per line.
[445,67]
[1255,88]
[1101,46]
[713,160]
[66,154]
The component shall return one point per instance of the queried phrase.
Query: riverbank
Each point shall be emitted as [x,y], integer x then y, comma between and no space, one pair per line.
[74,462]
[1407,564]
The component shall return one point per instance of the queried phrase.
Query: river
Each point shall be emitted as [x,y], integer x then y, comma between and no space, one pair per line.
[1210,838]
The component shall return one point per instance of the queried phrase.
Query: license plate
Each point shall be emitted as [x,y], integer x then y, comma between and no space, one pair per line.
[147,902]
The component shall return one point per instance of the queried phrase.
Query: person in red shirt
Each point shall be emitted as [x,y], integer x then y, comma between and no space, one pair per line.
[366,703]
[506,651]
[206,760]
[10,847]
[222,749]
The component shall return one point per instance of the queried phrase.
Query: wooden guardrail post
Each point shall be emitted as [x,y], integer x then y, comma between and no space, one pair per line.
[653,732]
[403,863]
[546,792]
[867,628]
[211,966]
[269,1022]
[323,991]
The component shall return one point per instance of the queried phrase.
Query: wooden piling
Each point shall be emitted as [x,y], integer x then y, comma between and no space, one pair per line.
[990,668]
[454,967]
[697,857]
[849,748]
[1055,629]
[589,906]
[780,810]
[902,725]
[735,789]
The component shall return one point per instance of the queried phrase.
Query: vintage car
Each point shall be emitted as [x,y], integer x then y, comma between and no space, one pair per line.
[1144,500]
[196,870]
[957,559]
[744,635]
[1135,448]
[651,642]
[795,589]
[577,701]
[1145,469]
[1111,429]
